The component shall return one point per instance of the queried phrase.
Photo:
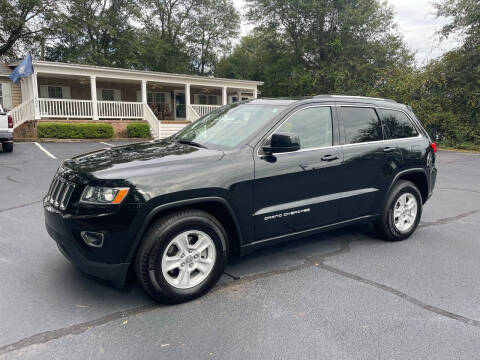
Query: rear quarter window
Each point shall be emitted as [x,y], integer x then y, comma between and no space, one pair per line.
[397,125]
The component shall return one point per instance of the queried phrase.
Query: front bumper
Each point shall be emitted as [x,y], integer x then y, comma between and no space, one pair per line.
[110,262]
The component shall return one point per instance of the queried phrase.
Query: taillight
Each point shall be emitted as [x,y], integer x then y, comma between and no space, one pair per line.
[434,147]
[10,122]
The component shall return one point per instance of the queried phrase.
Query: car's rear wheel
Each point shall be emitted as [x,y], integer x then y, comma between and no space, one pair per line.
[402,212]
[181,256]
[7,147]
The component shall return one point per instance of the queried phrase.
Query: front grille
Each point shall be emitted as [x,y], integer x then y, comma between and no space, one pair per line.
[59,193]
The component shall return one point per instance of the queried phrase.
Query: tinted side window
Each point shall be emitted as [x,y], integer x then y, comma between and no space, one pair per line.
[361,125]
[397,124]
[312,125]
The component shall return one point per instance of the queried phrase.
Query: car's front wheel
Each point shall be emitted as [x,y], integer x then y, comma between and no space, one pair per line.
[181,256]
[402,212]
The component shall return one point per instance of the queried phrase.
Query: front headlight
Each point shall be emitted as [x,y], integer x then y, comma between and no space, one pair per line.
[103,195]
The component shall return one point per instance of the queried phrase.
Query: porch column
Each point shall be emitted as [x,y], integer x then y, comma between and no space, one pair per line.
[239,96]
[144,91]
[36,105]
[224,95]
[93,90]
[255,93]
[187,101]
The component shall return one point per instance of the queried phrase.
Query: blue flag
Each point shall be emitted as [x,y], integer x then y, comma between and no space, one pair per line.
[24,69]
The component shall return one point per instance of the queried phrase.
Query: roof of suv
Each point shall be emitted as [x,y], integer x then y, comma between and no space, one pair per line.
[331,98]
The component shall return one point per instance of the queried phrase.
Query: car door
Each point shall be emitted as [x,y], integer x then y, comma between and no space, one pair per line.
[370,162]
[295,191]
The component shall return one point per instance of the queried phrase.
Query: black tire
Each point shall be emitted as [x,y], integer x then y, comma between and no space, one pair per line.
[384,226]
[7,147]
[158,237]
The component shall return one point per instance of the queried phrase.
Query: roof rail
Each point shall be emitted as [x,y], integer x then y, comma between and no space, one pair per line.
[355,97]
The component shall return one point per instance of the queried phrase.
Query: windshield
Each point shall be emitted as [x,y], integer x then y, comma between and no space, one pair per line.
[228,126]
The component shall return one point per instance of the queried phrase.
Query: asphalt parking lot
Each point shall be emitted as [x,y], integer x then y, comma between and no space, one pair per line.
[341,295]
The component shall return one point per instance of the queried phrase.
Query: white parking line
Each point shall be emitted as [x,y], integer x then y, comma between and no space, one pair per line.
[45,150]
[104,143]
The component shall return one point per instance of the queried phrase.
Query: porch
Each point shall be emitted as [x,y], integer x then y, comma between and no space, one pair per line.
[167,102]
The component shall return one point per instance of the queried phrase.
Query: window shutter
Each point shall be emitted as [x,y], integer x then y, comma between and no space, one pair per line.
[117,95]
[139,96]
[99,94]
[66,93]
[44,91]
[7,96]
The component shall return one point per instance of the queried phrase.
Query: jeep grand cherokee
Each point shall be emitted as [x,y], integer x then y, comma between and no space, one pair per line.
[247,175]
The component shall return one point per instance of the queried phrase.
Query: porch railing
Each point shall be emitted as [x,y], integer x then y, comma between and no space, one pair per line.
[192,115]
[23,112]
[120,110]
[203,110]
[152,121]
[65,108]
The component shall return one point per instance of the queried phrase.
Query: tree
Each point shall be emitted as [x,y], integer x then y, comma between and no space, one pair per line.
[321,46]
[98,32]
[465,19]
[214,24]
[24,23]
[198,30]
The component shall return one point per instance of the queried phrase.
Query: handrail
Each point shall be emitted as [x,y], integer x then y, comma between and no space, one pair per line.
[152,121]
[23,112]
[192,114]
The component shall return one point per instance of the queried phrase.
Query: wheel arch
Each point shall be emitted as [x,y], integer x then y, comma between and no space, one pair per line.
[417,176]
[216,206]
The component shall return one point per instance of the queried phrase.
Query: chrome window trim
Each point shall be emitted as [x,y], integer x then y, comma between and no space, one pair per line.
[419,136]
[265,138]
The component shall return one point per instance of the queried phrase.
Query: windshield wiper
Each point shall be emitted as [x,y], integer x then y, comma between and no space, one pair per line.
[189,142]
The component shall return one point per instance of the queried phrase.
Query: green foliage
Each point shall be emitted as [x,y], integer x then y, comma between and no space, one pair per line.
[317,46]
[138,130]
[182,36]
[96,32]
[74,131]
[214,24]
[24,23]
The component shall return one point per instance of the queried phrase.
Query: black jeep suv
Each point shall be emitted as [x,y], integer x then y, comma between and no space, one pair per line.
[247,175]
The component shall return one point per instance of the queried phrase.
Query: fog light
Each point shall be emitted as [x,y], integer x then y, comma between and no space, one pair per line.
[92,238]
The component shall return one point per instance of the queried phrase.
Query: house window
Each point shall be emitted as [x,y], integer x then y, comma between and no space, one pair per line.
[108,95]
[156,98]
[212,100]
[55,92]
[207,99]
[203,99]
[1,96]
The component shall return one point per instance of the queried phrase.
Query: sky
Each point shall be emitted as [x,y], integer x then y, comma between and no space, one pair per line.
[416,23]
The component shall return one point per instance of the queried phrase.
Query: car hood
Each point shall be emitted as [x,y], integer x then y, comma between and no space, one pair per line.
[122,162]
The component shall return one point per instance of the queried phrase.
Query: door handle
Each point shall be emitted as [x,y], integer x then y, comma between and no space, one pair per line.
[329,157]
[389,149]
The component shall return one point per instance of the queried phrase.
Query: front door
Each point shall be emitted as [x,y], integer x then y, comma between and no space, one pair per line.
[297,191]
[180,107]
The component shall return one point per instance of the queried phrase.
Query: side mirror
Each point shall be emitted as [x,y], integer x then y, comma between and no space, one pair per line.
[282,142]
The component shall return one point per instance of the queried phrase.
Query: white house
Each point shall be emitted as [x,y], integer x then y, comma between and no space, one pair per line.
[62,91]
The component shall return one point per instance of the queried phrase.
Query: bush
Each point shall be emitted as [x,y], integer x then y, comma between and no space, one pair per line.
[138,130]
[57,130]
